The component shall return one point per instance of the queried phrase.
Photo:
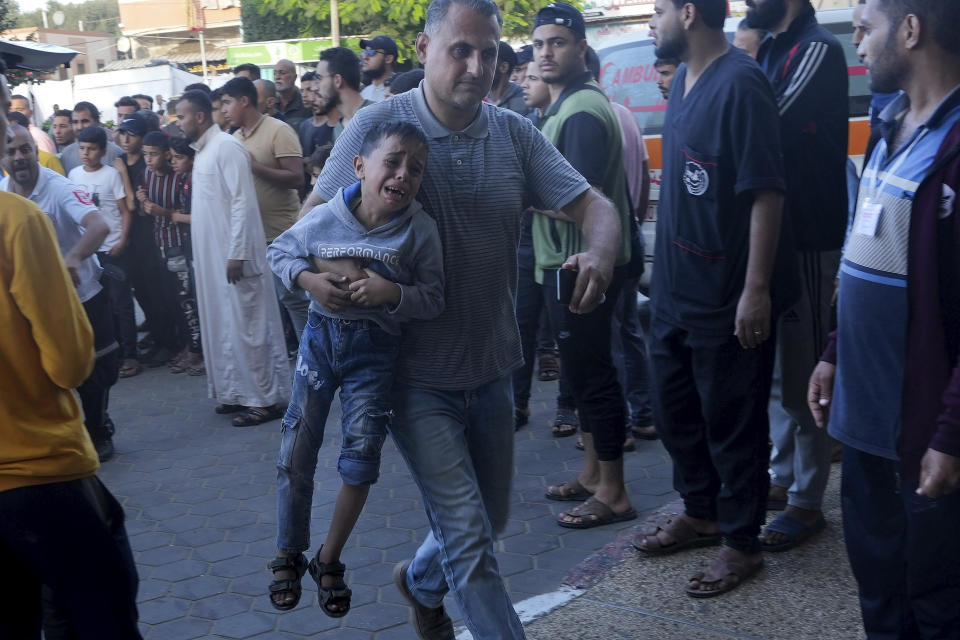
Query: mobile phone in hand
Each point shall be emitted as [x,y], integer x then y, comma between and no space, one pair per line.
[566,279]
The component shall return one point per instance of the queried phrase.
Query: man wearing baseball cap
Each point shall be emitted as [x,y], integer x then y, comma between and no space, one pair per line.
[582,125]
[524,57]
[378,55]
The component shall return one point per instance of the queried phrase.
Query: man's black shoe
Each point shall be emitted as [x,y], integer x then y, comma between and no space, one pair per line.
[104,449]
[158,358]
[429,623]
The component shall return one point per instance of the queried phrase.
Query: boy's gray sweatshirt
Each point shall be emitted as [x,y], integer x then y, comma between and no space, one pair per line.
[408,249]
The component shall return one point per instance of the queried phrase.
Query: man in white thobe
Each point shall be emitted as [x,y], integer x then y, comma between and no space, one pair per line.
[243,345]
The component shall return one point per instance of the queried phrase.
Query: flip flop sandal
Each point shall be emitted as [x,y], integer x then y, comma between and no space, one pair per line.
[726,572]
[682,532]
[795,531]
[257,415]
[339,597]
[594,513]
[565,424]
[548,368]
[224,409]
[296,563]
[199,369]
[571,491]
[129,368]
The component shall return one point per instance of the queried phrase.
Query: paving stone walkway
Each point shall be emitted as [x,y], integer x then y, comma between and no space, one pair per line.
[201,514]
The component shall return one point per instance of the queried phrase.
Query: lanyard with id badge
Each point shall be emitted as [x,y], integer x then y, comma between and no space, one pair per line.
[868,217]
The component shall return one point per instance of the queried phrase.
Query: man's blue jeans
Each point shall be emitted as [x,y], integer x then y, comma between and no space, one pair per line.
[358,357]
[459,447]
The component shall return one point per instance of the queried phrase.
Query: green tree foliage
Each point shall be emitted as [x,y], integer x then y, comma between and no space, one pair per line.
[260,24]
[96,15]
[399,19]
[9,12]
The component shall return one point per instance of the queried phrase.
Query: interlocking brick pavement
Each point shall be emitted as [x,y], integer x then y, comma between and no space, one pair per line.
[201,515]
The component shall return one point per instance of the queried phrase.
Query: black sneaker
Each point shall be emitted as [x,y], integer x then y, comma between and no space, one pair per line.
[521,416]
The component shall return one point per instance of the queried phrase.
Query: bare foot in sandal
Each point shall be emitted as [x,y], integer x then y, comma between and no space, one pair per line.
[729,569]
[573,490]
[676,532]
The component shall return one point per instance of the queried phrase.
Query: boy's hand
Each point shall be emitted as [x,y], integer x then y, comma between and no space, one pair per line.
[325,288]
[181,217]
[141,193]
[374,290]
[148,207]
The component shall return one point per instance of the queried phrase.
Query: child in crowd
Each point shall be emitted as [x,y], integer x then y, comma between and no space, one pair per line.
[158,197]
[316,161]
[352,345]
[105,187]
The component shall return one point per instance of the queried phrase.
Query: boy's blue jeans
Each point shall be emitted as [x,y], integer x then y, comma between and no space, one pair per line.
[358,357]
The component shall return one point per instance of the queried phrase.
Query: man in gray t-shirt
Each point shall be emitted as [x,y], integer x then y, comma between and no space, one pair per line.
[452,400]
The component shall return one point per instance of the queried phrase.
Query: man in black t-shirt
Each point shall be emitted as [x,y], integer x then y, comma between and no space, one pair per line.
[715,292]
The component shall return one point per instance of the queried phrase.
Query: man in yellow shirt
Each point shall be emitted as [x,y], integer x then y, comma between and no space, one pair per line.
[60,526]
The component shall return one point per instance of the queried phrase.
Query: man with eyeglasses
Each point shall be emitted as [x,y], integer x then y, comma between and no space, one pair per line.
[379,54]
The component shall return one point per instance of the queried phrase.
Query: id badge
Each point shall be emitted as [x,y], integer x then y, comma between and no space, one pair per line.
[868,218]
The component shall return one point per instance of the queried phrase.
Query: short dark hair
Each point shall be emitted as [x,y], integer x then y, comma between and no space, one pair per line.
[181,146]
[308,76]
[663,62]
[89,107]
[172,105]
[320,155]
[592,62]
[93,134]
[127,101]
[156,139]
[137,96]
[248,66]
[403,82]
[344,63]
[713,12]
[18,118]
[63,113]
[198,86]
[216,96]
[941,17]
[390,128]
[199,100]
[18,96]
[241,87]
[437,11]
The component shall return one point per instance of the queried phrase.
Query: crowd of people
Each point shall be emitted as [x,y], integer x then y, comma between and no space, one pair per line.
[421,240]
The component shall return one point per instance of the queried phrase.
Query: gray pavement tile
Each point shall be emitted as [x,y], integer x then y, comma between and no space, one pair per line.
[165,511]
[345,634]
[235,519]
[244,491]
[413,518]
[163,610]
[162,556]
[244,625]
[236,567]
[537,581]
[530,544]
[514,527]
[181,524]
[148,589]
[389,506]
[220,606]
[559,559]
[176,571]
[514,563]
[254,584]
[214,507]
[250,532]
[357,557]
[199,537]
[199,587]
[529,510]
[374,574]
[150,540]
[376,617]
[402,552]
[184,629]
[306,620]
[384,538]
[404,632]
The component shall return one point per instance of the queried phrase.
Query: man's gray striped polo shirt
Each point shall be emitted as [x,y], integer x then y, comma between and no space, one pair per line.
[477,183]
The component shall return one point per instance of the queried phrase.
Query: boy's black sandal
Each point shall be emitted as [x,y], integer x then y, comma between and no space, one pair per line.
[297,563]
[338,597]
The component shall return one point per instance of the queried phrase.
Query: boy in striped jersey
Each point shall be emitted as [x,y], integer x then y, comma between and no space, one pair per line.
[159,196]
